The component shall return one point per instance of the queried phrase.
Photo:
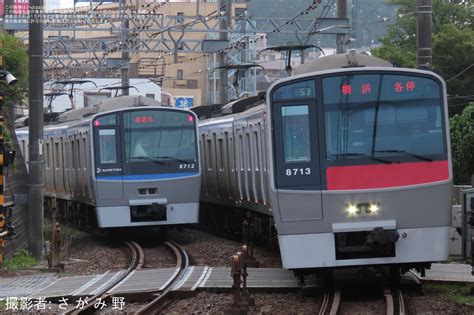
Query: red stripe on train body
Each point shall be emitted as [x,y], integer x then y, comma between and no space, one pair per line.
[385,176]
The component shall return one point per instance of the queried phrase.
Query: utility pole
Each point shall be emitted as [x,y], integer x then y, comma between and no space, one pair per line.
[424,24]
[341,39]
[35,149]
[224,6]
[125,53]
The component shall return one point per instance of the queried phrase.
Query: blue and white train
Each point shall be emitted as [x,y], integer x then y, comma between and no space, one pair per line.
[125,162]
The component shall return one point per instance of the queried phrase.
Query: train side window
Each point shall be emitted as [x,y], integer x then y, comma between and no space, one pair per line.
[221,154]
[296,133]
[209,154]
[202,142]
[84,151]
[241,152]
[257,151]
[78,148]
[73,153]
[249,149]
[62,154]
[108,147]
[47,155]
[56,155]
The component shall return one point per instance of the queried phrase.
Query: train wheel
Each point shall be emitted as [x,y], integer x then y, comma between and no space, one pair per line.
[395,275]
[163,233]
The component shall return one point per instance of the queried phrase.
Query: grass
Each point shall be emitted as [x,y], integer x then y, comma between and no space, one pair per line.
[457,292]
[21,259]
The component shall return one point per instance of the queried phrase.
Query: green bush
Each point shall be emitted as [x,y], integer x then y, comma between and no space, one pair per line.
[21,259]
[462,145]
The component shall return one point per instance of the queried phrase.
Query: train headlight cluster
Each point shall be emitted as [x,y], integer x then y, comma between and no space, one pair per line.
[374,208]
[361,208]
[352,210]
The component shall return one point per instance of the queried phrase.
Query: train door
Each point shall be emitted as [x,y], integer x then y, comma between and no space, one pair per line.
[108,162]
[296,160]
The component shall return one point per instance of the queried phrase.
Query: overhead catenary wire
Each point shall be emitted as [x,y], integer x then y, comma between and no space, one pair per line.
[460,73]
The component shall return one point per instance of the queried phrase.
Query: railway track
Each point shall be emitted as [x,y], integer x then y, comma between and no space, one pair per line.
[165,299]
[136,263]
[394,302]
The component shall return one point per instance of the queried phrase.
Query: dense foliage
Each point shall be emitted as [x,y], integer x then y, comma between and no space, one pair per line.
[453,59]
[453,45]
[15,60]
[462,145]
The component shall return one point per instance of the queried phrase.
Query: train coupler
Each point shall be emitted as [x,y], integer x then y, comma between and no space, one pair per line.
[382,237]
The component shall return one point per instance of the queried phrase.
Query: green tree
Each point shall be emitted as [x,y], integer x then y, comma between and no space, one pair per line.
[15,60]
[462,145]
[453,45]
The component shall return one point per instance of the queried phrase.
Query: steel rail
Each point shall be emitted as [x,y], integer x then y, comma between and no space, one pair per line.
[392,307]
[401,303]
[389,302]
[333,299]
[136,263]
[164,300]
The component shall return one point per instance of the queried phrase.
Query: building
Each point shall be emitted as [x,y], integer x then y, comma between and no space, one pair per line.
[180,73]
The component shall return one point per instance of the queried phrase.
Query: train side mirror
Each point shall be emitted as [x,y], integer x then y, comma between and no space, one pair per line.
[9,157]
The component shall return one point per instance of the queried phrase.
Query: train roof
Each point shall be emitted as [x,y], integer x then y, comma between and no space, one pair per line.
[108,105]
[336,61]
[233,107]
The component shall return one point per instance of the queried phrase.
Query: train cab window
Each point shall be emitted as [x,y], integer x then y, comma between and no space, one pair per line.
[383,117]
[162,136]
[108,148]
[295,136]
[295,128]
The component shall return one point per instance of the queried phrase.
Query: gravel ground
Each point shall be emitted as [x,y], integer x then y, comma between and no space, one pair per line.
[435,305]
[207,249]
[158,256]
[94,255]
[265,303]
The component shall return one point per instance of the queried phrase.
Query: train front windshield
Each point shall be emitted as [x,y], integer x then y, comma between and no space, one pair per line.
[161,136]
[358,118]
[383,117]
[145,144]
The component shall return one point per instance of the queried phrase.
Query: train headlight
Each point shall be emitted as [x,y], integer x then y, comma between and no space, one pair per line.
[374,208]
[352,210]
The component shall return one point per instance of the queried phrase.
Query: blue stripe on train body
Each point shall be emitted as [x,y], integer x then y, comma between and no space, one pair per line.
[146,176]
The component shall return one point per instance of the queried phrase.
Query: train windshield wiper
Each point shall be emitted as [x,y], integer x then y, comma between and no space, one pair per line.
[363,155]
[147,158]
[172,157]
[420,157]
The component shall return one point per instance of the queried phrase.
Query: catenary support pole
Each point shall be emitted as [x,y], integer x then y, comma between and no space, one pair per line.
[424,24]
[224,8]
[341,39]
[125,54]
[36,162]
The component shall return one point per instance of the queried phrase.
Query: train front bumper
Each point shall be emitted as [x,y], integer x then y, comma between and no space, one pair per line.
[319,250]
[147,214]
